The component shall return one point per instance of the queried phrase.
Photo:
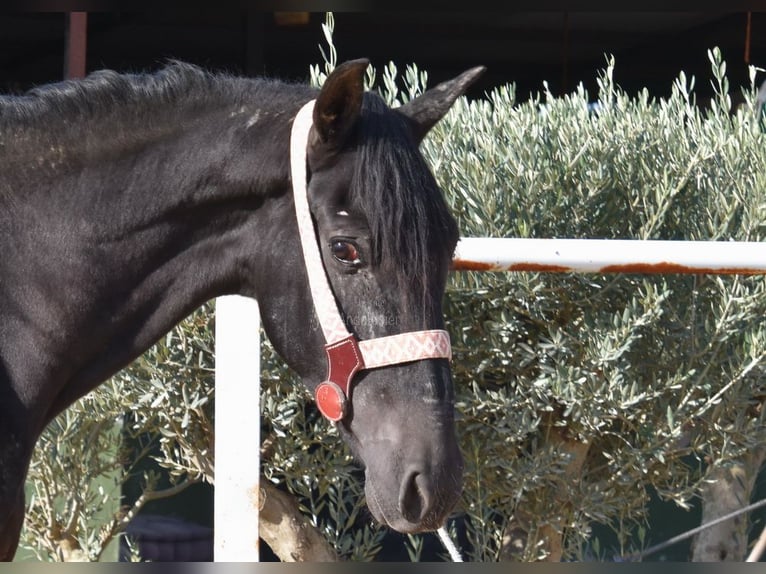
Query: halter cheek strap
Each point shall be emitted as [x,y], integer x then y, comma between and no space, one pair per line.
[346,355]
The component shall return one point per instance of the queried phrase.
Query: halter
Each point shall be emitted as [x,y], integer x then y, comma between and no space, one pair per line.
[346,355]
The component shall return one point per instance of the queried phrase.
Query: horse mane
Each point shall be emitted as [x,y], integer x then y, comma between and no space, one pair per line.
[409,220]
[106,91]
[109,93]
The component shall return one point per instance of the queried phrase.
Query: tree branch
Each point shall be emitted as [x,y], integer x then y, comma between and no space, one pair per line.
[287,531]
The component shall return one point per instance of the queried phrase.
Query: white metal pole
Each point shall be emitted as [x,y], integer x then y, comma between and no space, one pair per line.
[237,429]
[610,256]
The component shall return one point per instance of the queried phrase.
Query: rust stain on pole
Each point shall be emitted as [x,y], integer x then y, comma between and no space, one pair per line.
[465,265]
[668,268]
[76,45]
[468,265]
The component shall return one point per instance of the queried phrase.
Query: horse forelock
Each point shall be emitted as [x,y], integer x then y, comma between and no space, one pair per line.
[413,232]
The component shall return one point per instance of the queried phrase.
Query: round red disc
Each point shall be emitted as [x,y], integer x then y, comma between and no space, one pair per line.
[331,401]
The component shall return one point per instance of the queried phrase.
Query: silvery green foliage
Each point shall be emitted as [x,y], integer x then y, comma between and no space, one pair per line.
[74,480]
[651,371]
[163,399]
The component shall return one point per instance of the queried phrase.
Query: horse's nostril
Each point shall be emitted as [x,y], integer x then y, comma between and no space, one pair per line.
[415,497]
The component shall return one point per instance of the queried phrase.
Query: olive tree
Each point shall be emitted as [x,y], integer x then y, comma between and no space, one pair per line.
[582,394]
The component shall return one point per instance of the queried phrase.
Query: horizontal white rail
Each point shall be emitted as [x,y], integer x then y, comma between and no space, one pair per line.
[610,256]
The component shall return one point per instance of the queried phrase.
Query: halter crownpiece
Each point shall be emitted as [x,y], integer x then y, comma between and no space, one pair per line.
[346,355]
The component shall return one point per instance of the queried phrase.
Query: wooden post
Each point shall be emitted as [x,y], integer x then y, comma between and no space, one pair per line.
[76,45]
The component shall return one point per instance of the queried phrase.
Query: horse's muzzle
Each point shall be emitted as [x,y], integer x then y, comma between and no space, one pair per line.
[425,498]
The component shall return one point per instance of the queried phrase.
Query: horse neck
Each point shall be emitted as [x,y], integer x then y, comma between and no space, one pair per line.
[121,240]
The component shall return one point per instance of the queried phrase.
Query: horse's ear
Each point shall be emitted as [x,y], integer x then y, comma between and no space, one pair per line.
[339,102]
[428,108]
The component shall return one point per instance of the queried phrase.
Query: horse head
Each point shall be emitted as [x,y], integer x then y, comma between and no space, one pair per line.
[386,239]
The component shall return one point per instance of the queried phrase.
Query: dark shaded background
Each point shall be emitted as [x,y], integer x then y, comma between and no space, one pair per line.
[563,48]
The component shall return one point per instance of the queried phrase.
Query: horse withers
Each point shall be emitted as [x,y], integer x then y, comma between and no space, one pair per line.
[126,201]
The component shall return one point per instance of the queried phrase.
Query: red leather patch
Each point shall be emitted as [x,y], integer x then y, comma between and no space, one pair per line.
[343,361]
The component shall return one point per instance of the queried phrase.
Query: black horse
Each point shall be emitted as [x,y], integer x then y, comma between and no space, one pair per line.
[126,201]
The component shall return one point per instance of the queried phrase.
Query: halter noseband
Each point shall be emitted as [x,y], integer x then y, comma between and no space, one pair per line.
[346,355]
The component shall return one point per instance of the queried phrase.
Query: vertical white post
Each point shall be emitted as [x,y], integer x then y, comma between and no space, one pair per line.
[237,429]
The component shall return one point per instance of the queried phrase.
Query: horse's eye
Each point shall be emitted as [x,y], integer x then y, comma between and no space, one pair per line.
[345,252]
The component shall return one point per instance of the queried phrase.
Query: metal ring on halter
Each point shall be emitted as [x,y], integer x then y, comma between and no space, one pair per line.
[331,401]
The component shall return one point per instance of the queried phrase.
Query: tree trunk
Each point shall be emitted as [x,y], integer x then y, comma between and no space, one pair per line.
[731,490]
[287,531]
[518,541]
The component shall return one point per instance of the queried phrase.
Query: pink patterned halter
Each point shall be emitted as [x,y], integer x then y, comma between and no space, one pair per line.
[346,355]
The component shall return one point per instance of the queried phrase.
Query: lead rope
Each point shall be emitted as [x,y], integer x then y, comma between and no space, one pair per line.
[449,544]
